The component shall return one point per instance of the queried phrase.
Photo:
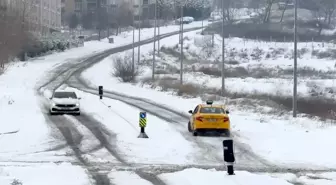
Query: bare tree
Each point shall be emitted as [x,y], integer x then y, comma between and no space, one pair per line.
[14,31]
[230,9]
[256,9]
[284,9]
[324,11]
[268,10]
[328,7]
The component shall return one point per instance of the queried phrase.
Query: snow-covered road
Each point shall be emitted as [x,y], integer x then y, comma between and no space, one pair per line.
[101,146]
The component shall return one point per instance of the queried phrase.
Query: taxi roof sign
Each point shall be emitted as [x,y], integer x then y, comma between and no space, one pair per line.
[209,102]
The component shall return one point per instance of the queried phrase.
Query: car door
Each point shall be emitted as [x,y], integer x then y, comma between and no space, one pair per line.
[192,118]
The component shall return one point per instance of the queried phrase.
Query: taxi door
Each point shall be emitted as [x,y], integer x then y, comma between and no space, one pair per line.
[192,117]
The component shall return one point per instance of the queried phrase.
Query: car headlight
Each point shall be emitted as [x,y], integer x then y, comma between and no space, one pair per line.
[53,104]
[77,104]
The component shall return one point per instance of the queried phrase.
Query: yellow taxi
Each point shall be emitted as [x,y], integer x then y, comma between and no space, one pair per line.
[209,117]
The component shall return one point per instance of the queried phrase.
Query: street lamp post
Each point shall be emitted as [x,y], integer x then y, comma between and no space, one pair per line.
[223,52]
[181,64]
[295,62]
[202,13]
[159,12]
[154,43]
[139,30]
[133,64]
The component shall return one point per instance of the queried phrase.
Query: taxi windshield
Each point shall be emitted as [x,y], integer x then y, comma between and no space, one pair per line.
[212,110]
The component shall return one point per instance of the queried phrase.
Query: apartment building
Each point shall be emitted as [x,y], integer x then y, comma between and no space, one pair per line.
[88,5]
[44,16]
[68,8]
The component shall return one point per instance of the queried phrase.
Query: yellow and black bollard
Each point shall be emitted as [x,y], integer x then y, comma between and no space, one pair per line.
[142,124]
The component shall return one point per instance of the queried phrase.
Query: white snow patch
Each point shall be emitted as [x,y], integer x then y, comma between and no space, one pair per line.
[200,177]
[127,178]
[43,174]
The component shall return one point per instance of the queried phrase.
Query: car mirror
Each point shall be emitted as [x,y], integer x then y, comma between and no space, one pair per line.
[50,98]
[227,112]
[190,112]
[79,98]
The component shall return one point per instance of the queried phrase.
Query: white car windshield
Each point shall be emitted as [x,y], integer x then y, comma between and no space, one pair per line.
[65,95]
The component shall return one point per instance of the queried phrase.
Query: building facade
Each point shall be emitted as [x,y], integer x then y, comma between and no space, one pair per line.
[44,16]
[82,6]
[68,8]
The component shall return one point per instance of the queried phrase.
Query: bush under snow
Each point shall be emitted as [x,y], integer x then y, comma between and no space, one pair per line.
[124,69]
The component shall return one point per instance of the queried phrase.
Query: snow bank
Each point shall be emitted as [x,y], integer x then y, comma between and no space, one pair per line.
[326,178]
[126,178]
[43,174]
[200,177]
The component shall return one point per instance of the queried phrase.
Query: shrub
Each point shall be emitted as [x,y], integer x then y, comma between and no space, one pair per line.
[16,182]
[123,68]
[257,54]
[330,53]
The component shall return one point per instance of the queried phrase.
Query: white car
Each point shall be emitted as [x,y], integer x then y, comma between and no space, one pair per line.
[64,102]
[185,20]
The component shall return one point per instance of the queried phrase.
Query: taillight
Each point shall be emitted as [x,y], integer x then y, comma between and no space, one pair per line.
[226,119]
[199,118]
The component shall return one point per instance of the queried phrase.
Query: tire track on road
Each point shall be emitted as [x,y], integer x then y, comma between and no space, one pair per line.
[68,131]
[101,133]
[58,77]
[168,114]
[176,118]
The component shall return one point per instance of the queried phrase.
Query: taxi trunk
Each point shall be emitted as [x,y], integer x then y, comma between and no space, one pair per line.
[212,121]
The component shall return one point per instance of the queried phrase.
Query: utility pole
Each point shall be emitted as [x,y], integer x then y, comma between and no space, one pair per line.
[295,61]
[139,36]
[223,52]
[181,22]
[181,65]
[133,64]
[202,13]
[159,12]
[153,69]
[98,17]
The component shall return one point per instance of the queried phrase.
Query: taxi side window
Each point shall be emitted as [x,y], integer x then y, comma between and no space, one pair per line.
[196,110]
